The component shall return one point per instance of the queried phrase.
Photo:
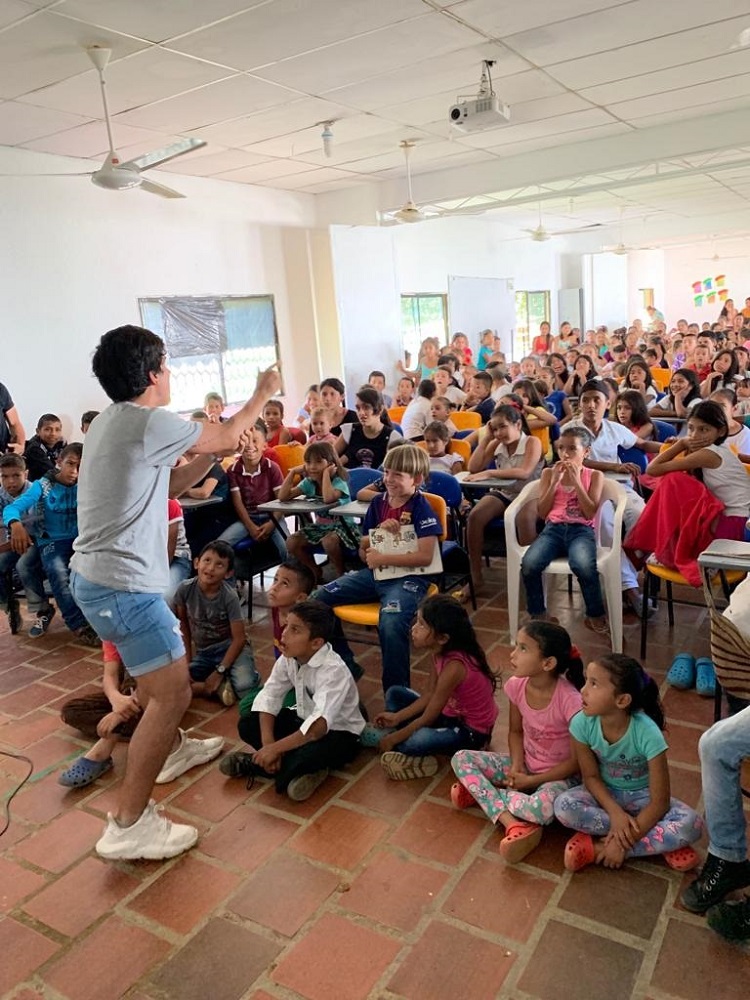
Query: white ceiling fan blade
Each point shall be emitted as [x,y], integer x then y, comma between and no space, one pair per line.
[153,188]
[158,156]
[85,173]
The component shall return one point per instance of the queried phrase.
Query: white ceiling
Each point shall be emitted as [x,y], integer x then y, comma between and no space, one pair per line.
[255,78]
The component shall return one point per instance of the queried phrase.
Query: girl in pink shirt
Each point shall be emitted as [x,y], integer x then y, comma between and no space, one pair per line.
[458,707]
[517,790]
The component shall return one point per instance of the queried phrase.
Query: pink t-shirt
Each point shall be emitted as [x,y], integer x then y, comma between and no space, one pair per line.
[546,740]
[566,507]
[473,700]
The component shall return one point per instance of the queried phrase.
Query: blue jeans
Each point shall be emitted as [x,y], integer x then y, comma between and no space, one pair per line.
[55,558]
[242,674]
[722,749]
[575,542]
[237,532]
[398,599]
[446,735]
[29,569]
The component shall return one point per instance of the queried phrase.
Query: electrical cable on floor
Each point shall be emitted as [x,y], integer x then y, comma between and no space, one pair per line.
[19,786]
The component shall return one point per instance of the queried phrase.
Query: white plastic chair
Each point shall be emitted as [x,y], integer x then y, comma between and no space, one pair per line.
[608,558]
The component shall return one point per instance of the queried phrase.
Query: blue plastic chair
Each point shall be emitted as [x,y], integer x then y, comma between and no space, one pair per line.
[360,477]
[463,434]
[663,429]
[455,557]
[634,455]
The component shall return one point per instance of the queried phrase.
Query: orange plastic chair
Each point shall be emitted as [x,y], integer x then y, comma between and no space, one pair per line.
[396,413]
[456,446]
[368,614]
[289,455]
[662,377]
[466,420]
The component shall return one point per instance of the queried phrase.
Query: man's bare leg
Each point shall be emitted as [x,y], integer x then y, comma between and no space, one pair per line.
[165,696]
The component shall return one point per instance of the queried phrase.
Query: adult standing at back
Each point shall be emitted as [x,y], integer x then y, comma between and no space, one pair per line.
[120,566]
[12,434]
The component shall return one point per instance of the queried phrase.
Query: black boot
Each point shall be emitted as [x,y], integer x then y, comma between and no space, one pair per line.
[717,879]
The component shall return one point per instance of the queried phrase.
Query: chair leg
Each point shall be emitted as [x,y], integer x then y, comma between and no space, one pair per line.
[670,605]
[613,593]
[472,593]
[647,587]
[570,584]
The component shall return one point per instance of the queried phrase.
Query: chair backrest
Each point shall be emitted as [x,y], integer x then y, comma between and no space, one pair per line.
[446,486]
[361,477]
[662,377]
[634,455]
[460,447]
[664,429]
[466,420]
[441,512]
[289,455]
[611,491]
[396,413]
[297,435]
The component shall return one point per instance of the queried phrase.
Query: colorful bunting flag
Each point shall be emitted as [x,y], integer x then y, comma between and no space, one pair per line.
[697,301]
[707,284]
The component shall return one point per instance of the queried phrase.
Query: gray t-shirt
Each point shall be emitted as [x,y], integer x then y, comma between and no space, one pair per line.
[210,618]
[122,496]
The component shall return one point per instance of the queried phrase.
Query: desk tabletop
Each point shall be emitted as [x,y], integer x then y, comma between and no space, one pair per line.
[313,506]
[491,482]
[355,508]
[725,553]
[191,503]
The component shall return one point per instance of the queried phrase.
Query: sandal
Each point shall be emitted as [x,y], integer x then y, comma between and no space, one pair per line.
[684,859]
[681,674]
[579,852]
[520,839]
[598,625]
[461,797]
[83,771]
[705,677]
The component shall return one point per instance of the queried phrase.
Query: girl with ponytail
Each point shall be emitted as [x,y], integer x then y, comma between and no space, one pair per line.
[517,791]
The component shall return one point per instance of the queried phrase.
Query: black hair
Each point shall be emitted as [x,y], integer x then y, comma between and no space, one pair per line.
[446,359]
[583,434]
[529,387]
[75,448]
[325,452]
[483,377]
[221,549]
[370,396]
[553,640]
[199,415]
[629,677]
[438,429]
[12,461]
[595,385]
[376,374]
[512,411]
[124,359]
[638,409]
[712,413]
[426,388]
[333,383]
[277,403]
[692,377]
[318,617]
[643,365]
[727,393]
[47,418]
[88,417]
[305,576]
[733,368]
[260,425]
[445,615]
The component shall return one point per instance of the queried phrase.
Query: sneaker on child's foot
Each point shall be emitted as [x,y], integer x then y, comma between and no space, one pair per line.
[371,735]
[239,765]
[401,767]
[598,625]
[152,837]
[731,920]
[86,636]
[41,623]
[190,753]
[717,879]
[301,788]
[226,694]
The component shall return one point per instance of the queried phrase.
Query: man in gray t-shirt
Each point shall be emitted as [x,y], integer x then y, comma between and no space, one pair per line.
[120,569]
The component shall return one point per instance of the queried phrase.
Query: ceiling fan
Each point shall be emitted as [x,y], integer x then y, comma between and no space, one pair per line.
[408,212]
[114,175]
[540,235]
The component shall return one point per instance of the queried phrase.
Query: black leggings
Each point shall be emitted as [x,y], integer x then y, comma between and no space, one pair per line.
[333,750]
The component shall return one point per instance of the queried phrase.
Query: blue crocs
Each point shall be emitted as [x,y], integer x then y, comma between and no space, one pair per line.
[682,673]
[705,677]
[83,771]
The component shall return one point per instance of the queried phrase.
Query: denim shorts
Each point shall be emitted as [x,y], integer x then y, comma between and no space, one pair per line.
[142,626]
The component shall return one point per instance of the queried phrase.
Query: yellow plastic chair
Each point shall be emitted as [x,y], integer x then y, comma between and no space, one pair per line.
[367,615]
[456,446]
[466,420]
[662,377]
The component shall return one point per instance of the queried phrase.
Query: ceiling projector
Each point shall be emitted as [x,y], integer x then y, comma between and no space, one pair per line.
[480,112]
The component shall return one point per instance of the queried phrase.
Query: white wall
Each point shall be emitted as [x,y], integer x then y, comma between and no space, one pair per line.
[605,290]
[74,260]
[684,265]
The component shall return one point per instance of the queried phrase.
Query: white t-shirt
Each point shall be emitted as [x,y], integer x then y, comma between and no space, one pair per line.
[122,496]
[417,416]
[611,436]
[739,443]
[455,395]
[730,483]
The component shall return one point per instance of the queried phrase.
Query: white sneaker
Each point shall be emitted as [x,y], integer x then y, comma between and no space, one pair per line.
[190,753]
[301,788]
[152,837]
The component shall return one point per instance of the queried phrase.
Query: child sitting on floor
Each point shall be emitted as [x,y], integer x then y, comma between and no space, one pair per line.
[43,450]
[54,501]
[456,711]
[436,440]
[622,756]
[220,658]
[297,747]
[324,478]
[569,497]
[112,716]
[517,791]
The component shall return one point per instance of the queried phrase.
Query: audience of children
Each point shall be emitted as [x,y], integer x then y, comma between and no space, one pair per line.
[220,659]
[19,557]
[517,790]
[436,442]
[43,449]
[404,391]
[364,442]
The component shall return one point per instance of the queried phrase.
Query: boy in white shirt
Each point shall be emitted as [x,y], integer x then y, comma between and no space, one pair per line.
[298,746]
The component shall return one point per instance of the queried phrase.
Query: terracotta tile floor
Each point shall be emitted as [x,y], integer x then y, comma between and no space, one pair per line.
[371,889]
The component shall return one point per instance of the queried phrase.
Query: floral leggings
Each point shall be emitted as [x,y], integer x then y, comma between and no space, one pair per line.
[483,774]
[680,825]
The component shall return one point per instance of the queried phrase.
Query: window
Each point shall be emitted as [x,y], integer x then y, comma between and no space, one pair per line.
[532,308]
[214,344]
[423,316]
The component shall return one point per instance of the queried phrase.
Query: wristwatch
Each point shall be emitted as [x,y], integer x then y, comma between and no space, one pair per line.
[222,668]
